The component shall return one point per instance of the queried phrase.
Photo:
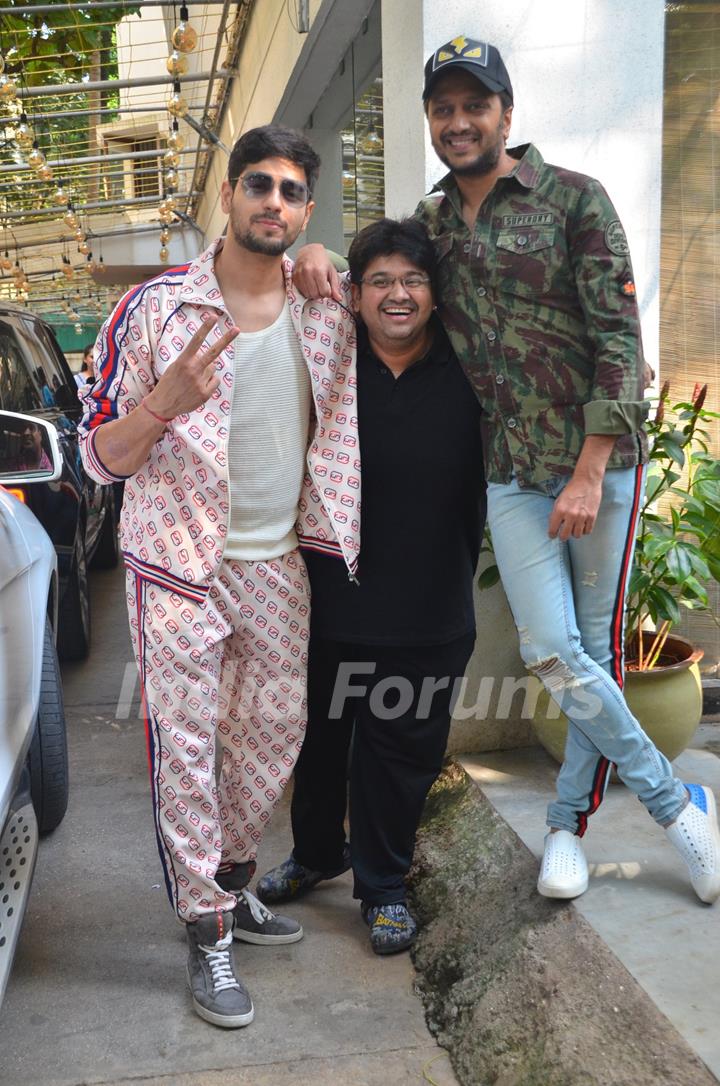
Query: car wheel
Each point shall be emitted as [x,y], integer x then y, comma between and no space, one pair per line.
[107,552]
[74,617]
[48,758]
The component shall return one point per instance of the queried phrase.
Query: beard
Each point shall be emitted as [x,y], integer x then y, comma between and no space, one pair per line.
[484,164]
[246,237]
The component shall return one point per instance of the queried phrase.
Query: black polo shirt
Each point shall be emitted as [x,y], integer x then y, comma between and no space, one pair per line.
[423,508]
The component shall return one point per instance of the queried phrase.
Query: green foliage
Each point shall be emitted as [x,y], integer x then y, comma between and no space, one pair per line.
[678,543]
[41,45]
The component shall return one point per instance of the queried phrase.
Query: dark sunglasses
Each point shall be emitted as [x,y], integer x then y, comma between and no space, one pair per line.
[257,185]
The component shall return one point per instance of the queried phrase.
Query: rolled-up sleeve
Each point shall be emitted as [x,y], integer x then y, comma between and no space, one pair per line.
[600,259]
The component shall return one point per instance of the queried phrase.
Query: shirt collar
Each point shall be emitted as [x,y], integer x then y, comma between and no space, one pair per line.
[200,285]
[527,171]
[439,352]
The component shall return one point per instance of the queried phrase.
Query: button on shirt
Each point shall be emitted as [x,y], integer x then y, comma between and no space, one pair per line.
[540,309]
[423,508]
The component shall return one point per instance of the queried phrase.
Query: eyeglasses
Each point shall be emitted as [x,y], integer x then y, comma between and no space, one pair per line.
[413,281]
[257,185]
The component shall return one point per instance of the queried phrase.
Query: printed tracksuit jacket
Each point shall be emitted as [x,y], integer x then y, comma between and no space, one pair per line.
[176,506]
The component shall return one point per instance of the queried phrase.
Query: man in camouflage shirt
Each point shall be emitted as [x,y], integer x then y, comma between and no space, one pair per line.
[538,298]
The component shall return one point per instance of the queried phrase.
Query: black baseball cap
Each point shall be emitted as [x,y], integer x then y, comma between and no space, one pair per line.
[477,57]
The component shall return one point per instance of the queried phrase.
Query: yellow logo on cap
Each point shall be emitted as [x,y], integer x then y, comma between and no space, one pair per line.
[460,48]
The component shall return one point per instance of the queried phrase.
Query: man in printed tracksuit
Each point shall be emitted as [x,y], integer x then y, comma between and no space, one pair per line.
[206,379]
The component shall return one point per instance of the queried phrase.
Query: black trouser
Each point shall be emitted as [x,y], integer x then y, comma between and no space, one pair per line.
[393,763]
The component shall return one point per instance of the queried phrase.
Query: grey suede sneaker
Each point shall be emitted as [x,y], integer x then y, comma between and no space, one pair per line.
[218,996]
[255,923]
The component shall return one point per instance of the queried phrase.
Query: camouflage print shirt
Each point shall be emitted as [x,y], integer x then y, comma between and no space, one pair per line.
[539,302]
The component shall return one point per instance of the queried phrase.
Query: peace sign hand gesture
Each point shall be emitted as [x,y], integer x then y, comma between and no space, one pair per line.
[192,378]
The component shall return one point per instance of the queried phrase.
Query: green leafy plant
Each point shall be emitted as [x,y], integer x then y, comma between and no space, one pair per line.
[677,551]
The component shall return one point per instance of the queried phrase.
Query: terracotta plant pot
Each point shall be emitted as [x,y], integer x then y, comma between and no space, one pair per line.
[667,701]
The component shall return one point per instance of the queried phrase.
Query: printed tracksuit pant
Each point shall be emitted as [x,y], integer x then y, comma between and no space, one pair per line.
[226,673]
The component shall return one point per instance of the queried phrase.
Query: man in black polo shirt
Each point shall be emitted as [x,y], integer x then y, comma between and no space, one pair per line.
[386,652]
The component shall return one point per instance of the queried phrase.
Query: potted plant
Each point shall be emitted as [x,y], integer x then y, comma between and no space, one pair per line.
[677,555]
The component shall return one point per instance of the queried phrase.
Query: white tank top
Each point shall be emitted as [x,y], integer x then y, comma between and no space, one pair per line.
[267,442]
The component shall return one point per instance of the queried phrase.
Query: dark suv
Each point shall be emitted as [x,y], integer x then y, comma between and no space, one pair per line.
[77,513]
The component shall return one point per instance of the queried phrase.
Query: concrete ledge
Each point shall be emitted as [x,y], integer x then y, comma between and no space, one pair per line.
[521,990]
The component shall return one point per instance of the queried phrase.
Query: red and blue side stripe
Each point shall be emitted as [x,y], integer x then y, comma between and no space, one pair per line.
[617,649]
[153,739]
[114,335]
[164,579]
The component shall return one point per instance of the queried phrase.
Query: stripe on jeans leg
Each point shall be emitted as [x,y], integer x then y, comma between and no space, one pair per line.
[152,739]
[602,772]
[616,628]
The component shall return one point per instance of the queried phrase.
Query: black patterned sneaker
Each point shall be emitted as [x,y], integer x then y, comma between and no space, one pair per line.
[392,928]
[254,923]
[218,996]
[290,879]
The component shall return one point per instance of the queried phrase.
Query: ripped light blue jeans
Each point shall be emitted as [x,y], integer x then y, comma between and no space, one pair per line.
[568,602]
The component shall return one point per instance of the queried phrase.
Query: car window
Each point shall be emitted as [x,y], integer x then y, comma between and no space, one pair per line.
[43,343]
[18,390]
[48,373]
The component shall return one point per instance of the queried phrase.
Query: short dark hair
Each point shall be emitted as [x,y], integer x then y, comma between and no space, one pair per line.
[408,237]
[274,141]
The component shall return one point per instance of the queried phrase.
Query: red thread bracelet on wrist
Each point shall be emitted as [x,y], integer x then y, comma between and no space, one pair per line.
[157,417]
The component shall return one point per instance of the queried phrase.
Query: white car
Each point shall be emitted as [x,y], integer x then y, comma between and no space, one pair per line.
[33,744]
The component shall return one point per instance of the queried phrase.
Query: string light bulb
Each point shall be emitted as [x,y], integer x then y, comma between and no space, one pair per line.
[83,248]
[164,236]
[176,104]
[184,37]
[164,254]
[45,172]
[177,63]
[24,135]
[8,89]
[6,262]
[175,142]
[172,179]
[170,159]
[36,158]
[60,197]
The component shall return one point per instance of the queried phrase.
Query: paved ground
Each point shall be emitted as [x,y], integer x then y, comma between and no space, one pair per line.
[98,993]
[639,900]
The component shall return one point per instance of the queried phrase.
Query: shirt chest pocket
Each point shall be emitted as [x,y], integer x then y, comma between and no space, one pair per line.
[526,260]
[443,245]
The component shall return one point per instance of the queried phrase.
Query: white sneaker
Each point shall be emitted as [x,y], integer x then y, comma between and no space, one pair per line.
[696,836]
[564,872]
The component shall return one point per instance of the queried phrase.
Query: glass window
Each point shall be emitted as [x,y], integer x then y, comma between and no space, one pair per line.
[363,163]
[18,390]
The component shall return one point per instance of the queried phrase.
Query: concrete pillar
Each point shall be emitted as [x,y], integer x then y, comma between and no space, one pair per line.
[588,80]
